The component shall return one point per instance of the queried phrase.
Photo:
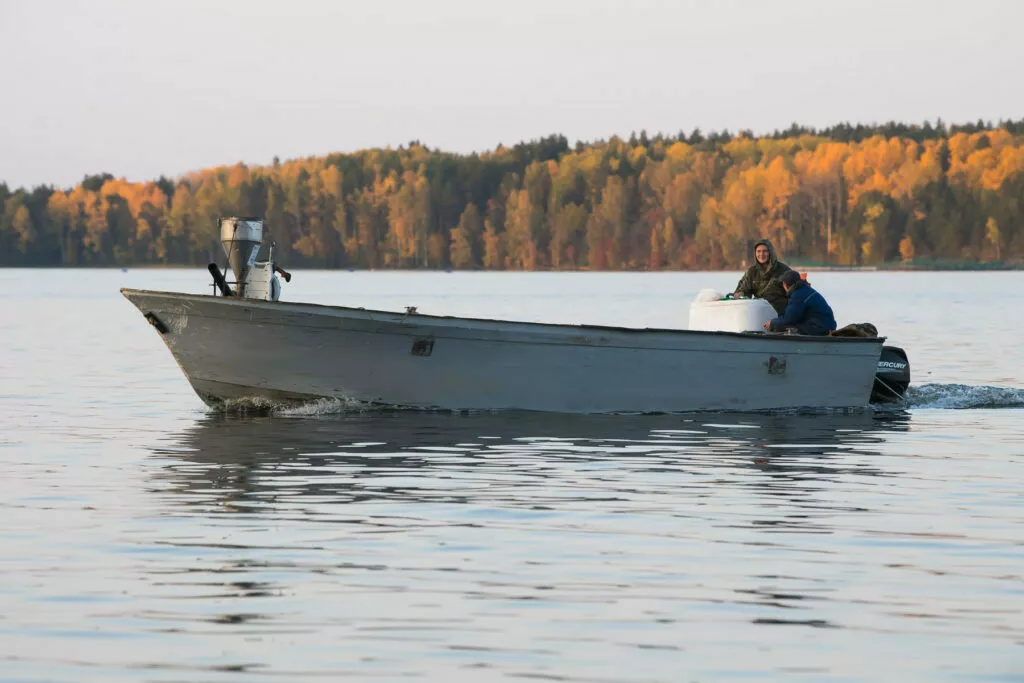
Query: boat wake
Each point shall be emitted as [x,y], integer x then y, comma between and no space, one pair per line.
[322,406]
[963,397]
[928,396]
[256,405]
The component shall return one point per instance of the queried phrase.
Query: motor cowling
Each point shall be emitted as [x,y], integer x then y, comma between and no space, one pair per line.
[262,283]
[892,376]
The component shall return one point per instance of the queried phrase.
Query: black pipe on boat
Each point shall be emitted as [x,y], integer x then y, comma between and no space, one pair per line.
[218,279]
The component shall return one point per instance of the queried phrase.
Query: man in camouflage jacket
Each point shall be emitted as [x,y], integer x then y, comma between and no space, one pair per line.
[761,280]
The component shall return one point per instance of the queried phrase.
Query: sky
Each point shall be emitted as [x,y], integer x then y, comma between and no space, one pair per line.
[141,89]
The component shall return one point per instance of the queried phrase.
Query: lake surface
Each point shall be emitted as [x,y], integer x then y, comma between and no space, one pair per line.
[146,538]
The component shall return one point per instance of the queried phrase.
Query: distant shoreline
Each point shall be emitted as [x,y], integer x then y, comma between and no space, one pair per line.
[932,268]
[972,267]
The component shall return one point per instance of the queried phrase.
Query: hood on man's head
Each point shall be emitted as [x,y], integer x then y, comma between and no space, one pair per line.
[772,258]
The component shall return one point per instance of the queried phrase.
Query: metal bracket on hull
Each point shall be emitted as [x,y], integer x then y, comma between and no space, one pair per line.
[422,347]
[156,322]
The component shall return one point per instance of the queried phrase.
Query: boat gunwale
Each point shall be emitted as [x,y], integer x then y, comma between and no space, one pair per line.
[242,301]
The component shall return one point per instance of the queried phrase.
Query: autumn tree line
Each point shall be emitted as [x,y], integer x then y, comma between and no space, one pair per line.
[847,195]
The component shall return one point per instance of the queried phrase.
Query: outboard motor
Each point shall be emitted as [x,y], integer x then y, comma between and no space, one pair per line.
[242,239]
[892,376]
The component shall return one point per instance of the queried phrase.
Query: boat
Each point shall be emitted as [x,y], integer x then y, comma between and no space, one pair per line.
[242,343]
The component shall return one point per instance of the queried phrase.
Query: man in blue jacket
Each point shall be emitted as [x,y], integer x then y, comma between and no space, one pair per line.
[807,311]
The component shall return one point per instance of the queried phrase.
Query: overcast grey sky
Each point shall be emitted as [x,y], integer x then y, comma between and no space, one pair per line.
[140,88]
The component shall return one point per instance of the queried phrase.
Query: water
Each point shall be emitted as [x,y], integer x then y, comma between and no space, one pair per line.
[147,539]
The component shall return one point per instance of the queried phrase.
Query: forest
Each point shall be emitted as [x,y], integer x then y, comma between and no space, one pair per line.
[893,195]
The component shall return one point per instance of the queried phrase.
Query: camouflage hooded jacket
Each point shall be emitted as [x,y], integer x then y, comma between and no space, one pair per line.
[762,281]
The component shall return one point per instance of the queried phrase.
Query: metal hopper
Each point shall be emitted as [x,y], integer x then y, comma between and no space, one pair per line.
[241,239]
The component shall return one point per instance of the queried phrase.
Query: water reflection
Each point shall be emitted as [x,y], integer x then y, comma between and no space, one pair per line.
[248,462]
[573,548]
[629,492]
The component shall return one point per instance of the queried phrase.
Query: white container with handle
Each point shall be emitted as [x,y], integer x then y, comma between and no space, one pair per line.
[730,315]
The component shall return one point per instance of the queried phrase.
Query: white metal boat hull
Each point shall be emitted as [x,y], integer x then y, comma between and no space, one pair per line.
[233,348]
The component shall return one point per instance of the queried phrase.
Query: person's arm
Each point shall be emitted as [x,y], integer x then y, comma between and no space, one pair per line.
[794,313]
[774,292]
[744,288]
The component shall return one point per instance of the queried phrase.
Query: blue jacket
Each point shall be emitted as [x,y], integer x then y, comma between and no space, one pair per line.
[806,306]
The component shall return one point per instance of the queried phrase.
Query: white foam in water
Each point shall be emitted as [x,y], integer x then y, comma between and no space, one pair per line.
[256,404]
[963,396]
[322,406]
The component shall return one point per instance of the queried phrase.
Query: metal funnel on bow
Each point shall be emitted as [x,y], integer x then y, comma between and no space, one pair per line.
[241,239]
